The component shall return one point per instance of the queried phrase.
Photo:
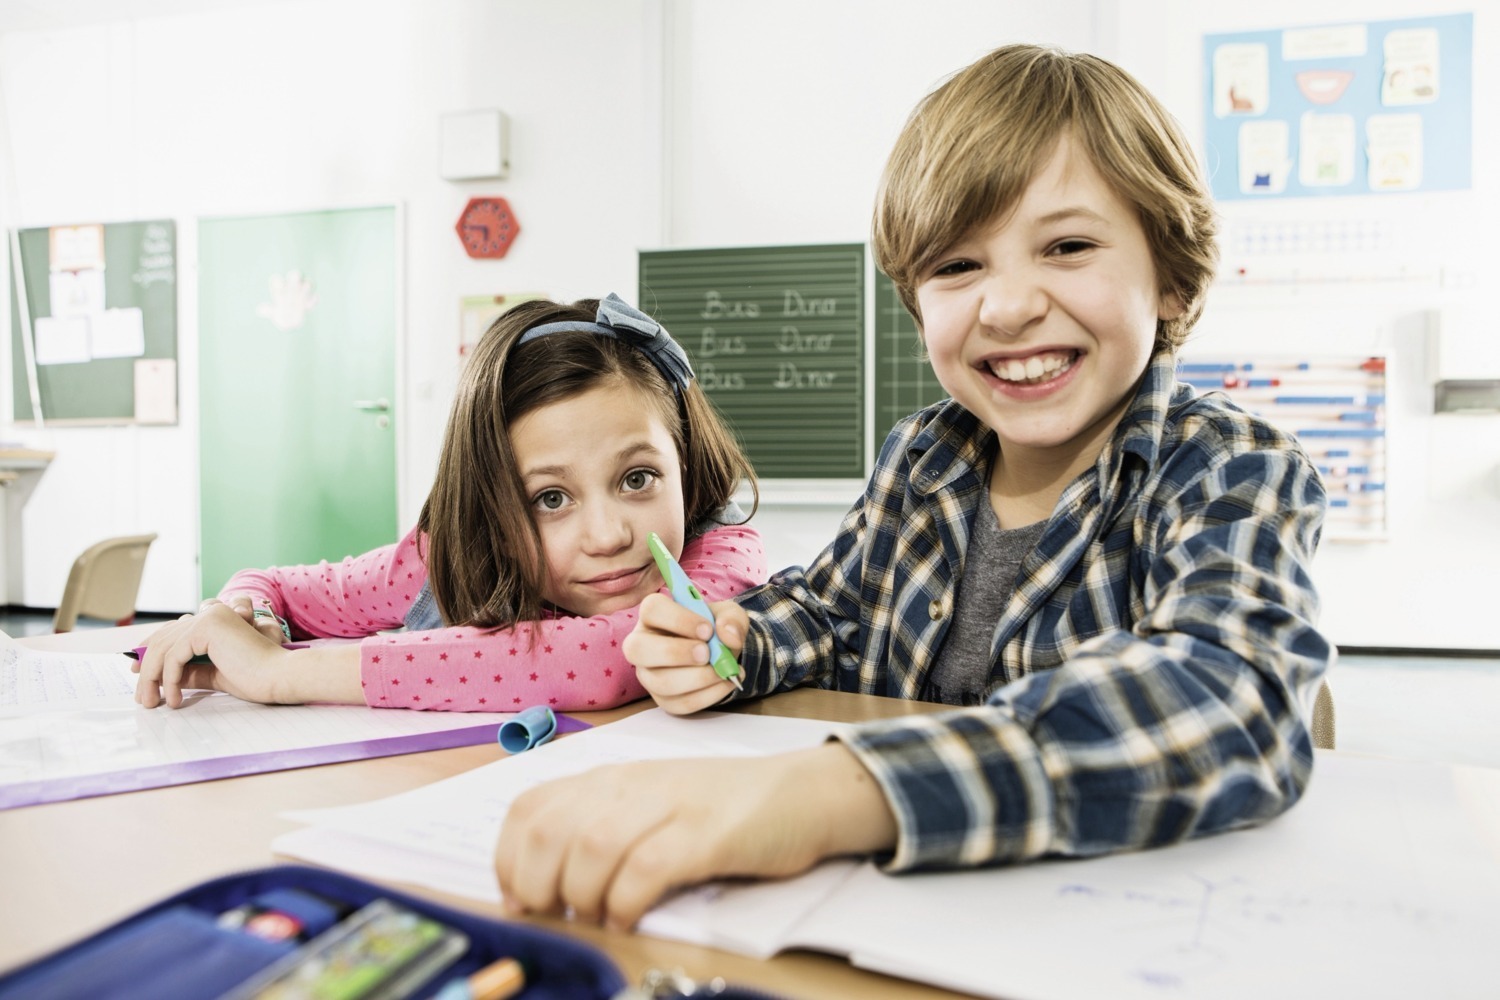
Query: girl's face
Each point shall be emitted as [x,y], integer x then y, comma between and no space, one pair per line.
[600,471]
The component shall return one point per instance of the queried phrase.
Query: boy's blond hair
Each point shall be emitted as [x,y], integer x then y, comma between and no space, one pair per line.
[970,148]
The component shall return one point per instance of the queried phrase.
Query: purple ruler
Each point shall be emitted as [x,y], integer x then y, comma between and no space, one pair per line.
[83,786]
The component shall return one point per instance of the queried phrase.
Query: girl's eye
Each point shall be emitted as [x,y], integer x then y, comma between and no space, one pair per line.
[638,479]
[550,500]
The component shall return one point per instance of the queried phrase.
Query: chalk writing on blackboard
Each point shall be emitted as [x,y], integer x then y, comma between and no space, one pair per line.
[156,262]
[776,336]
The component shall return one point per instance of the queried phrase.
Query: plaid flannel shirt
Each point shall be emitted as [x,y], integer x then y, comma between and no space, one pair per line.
[1151,672]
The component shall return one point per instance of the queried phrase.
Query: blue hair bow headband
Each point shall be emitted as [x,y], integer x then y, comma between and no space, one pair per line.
[624,322]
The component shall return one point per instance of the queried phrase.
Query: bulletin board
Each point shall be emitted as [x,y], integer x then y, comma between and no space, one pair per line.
[102,301]
[1352,109]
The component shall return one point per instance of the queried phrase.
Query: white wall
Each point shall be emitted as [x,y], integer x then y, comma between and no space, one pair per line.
[1435,581]
[642,124]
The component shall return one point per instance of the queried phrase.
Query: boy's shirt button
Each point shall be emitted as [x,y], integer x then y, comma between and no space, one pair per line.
[935,609]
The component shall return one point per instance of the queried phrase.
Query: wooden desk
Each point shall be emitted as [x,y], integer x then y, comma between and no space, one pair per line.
[70,868]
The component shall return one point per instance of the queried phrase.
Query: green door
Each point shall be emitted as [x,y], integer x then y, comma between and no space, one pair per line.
[297,341]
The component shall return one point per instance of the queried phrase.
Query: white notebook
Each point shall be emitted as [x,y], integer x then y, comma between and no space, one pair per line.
[1382,882]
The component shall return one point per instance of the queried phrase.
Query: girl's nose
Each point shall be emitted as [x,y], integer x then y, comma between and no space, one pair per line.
[609,531]
[1012,302]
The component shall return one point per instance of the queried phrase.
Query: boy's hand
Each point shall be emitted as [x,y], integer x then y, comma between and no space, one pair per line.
[669,649]
[610,842]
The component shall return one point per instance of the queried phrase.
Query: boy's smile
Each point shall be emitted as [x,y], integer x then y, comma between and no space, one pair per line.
[1042,322]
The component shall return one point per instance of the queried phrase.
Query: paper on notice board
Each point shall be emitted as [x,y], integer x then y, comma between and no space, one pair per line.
[1242,80]
[1340,41]
[1394,150]
[76,293]
[61,340]
[75,248]
[1265,157]
[156,391]
[1326,150]
[118,333]
[1412,64]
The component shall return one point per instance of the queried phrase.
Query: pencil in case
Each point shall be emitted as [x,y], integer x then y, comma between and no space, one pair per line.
[183,948]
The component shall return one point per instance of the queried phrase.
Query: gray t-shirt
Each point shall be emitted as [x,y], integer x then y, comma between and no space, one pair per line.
[961,674]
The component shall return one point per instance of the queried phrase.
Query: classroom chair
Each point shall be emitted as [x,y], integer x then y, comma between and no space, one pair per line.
[104,582]
[1323,719]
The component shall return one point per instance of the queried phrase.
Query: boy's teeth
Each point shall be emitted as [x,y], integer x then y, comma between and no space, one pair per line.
[1037,368]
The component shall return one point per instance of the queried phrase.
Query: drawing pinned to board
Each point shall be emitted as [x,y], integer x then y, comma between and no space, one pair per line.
[1393,146]
[1327,149]
[1265,157]
[1241,81]
[1412,67]
[292,297]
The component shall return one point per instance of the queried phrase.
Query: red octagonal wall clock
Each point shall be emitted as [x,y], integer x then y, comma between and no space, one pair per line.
[487,227]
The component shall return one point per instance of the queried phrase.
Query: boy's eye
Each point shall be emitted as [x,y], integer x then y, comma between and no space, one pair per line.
[954,267]
[638,479]
[1063,248]
[550,500]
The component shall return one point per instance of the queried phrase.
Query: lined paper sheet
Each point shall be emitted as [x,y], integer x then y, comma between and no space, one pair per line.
[29,678]
[1382,882]
[70,727]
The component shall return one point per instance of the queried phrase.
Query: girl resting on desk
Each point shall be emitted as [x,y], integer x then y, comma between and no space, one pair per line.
[576,431]
[1106,574]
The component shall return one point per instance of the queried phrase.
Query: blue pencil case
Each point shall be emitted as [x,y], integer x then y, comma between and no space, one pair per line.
[195,944]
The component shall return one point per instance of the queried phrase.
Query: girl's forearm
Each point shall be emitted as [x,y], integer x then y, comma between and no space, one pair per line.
[322,674]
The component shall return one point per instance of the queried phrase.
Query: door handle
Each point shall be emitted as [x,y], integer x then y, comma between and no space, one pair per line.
[372,405]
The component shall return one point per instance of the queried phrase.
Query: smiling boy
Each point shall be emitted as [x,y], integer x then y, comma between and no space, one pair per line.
[1105,571]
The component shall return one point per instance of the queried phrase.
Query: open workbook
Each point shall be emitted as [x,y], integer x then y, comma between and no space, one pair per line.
[1382,882]
[70,728]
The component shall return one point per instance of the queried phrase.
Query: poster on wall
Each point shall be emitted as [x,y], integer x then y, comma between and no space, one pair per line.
[1367,108]
[1335,406]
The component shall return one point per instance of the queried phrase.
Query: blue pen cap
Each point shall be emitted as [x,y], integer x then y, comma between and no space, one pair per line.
[530,728]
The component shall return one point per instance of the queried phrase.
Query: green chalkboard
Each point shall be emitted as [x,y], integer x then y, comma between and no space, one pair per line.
[777,337]
[140,272]
[904,382]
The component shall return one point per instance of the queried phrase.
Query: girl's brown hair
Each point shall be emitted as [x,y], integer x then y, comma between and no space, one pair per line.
[970,148]
[484,555]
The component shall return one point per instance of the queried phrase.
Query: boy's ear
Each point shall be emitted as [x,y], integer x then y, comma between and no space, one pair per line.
[1169,306]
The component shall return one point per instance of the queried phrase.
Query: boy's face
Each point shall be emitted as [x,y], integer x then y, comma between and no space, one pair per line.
[1042,322]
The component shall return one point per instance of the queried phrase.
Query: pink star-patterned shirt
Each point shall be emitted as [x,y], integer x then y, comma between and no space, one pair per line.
[565,662]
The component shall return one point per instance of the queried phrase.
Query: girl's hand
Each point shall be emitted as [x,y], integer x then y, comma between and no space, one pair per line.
[611,842]
[246,661]
[669,649]
[243,605]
